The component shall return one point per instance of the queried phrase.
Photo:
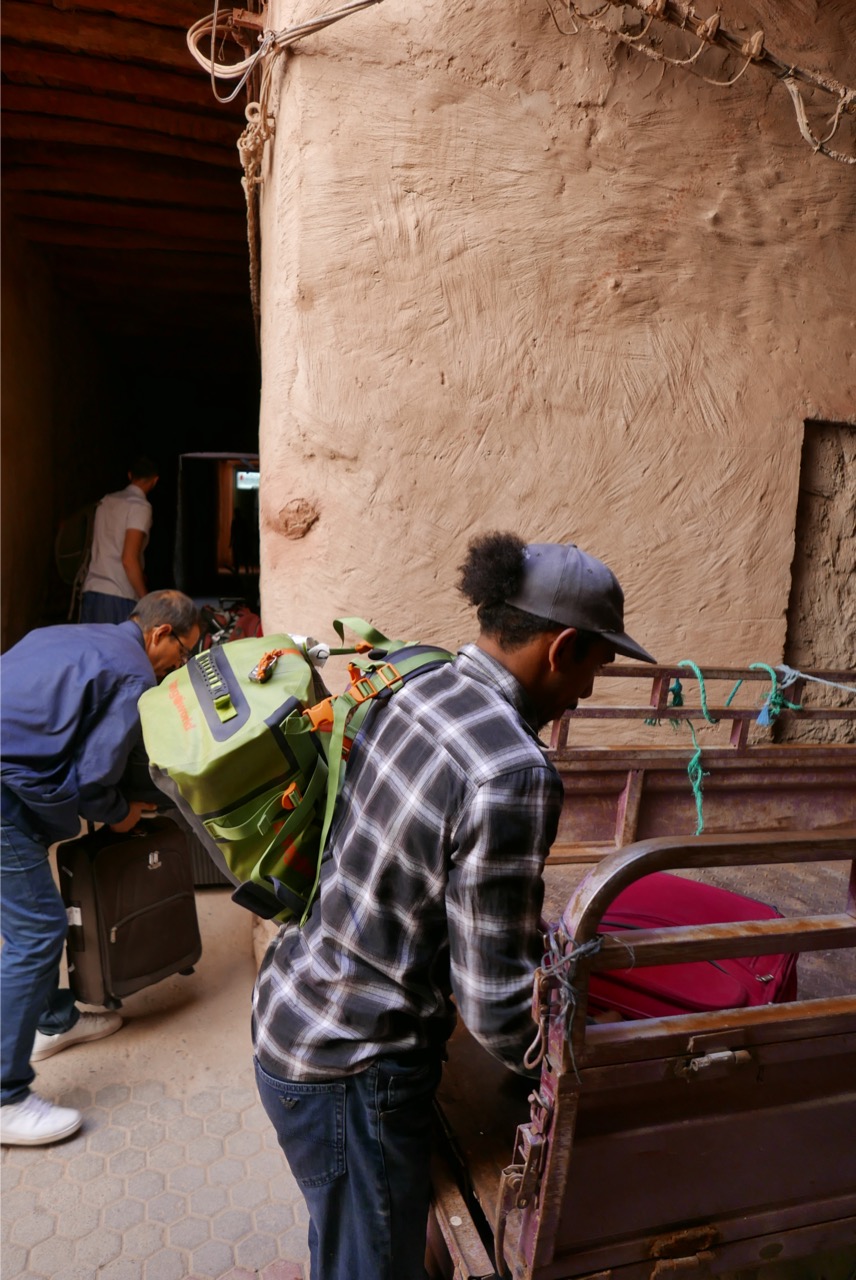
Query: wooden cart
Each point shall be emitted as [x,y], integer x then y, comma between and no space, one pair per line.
[705,1144]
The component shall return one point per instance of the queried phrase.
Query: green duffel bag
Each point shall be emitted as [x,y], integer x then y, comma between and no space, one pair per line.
[250,747]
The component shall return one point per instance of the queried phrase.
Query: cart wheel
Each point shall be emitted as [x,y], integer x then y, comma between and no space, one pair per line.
[185,973]
[112,1003]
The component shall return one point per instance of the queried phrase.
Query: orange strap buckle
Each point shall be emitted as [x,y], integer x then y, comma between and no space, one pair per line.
[363,689]
[321,716]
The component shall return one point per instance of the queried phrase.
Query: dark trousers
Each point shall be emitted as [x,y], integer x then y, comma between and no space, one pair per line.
[96,606]
[359,1148]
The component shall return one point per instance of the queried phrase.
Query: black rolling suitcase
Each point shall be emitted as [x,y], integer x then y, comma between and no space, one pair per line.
[131,910]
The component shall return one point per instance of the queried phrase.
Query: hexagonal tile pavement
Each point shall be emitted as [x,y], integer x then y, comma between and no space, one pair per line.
[158,1187]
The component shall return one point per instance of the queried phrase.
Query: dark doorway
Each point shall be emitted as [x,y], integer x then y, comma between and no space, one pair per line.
[821,622]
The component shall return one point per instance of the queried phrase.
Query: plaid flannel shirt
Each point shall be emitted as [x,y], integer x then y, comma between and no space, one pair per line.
[431,885]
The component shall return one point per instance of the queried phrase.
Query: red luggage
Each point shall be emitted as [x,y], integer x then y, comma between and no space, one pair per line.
[663,899]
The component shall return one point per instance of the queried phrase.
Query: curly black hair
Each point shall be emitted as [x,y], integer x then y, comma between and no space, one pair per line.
[493,571]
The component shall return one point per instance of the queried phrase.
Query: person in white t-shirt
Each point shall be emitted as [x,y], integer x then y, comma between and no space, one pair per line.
[116,580]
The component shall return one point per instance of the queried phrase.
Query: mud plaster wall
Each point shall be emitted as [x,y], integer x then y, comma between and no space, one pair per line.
[516,280]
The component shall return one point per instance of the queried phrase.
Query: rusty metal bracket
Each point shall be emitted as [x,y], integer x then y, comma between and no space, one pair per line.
[244,18]
[519,1182]
[244,27]
[713,1063]
[681,1251]
[531,1146]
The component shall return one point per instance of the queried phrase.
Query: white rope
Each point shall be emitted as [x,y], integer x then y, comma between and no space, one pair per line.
[260,119]
[270,41]
[818,144]
[790,675]
[710,33]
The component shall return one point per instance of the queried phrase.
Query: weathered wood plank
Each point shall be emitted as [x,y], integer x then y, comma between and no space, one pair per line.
[177,122]
[24,64]
[155,271]
[166,220]
[83,133]
[125,182]
[102,36]
[24,153]
[165,13]
[100,238]
[720,941]
[584,911]
[622,1042]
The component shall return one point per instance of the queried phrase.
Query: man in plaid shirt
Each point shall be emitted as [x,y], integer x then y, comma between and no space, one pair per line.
[430,887]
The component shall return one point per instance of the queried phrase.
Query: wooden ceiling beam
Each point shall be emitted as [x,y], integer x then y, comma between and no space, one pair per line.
[166,221]
[67,155]
[126,183]
[100,239]
[24,64]
[159,263]
[81,133]
[190,310]
[171,287]
[102,36]
[176,122]
[163,13]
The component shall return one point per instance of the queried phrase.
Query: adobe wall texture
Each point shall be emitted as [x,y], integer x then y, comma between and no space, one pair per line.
[518,280]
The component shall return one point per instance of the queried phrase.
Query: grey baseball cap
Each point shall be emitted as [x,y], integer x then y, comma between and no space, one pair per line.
[568,586]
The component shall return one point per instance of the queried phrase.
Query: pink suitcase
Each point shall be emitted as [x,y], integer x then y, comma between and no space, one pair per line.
[663,899]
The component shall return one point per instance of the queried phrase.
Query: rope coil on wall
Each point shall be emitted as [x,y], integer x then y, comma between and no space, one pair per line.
[260,119]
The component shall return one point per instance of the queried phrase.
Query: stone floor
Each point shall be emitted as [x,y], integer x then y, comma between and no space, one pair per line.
[176,1173]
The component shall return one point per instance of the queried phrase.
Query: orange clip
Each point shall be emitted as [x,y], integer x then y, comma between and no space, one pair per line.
[321,716]
[291,796]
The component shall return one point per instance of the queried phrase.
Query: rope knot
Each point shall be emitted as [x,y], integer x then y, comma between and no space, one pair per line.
[754,47]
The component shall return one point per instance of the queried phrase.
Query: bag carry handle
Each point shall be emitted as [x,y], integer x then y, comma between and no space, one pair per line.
[360,628]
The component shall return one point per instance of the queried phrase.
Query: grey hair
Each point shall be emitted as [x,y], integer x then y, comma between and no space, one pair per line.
[171,607]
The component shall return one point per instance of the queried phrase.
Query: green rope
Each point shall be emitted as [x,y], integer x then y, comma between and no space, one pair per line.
[676,693]
[732,693]
[702,690]
[695,773]
[775,702]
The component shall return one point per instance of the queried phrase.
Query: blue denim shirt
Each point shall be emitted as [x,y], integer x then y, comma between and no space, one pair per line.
[68,723]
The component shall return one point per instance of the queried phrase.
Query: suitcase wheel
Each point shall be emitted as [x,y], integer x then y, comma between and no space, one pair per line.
[185,973]
[112,1003]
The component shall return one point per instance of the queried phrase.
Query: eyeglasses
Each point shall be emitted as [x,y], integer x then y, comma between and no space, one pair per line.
[185,653]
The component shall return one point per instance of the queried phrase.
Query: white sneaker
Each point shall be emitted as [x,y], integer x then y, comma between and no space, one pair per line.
[34,1121]
[89,1026]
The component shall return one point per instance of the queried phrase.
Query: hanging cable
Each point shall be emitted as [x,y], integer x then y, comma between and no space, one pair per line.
[711,33]
[222,24]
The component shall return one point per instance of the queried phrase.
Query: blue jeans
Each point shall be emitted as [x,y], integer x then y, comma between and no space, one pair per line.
[33,928]
[359,1147]
[96,606]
